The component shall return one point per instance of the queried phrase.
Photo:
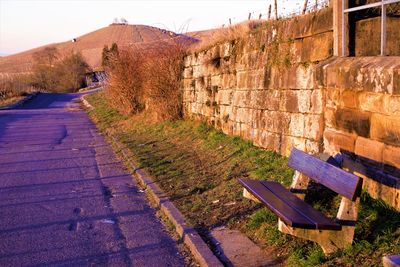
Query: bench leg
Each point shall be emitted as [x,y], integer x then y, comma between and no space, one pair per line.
[248,195]
[329,240]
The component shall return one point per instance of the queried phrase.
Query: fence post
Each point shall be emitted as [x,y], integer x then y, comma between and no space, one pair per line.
[305,6]
[249,16]
[276,9]
[269,12]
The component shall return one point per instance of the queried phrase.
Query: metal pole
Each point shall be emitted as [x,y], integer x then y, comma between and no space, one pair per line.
[383,30]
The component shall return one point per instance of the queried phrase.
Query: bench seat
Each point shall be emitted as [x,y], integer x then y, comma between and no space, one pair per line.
[289,208]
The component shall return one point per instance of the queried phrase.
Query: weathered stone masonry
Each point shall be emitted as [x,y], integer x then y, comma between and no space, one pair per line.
[264,88]
[282,88]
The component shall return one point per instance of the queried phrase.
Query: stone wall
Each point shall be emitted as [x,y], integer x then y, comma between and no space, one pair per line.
[362,117]
[264,88]
[282,88]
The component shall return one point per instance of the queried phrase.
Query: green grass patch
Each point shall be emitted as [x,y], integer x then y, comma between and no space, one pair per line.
[198,167]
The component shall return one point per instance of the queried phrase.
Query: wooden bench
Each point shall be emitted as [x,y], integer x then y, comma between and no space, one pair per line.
[391,261]
[300,219]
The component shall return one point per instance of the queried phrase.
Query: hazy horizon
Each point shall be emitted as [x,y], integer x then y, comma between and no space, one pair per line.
[25,25]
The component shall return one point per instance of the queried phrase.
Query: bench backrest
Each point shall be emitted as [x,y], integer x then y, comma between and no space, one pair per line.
[336,179]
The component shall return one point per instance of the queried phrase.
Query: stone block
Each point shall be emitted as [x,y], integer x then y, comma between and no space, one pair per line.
[296,125]
[188,73]
[330,119]
[391,155]
[241,98]
[349,99]
[386,129]
[198,71]
[265,99]
[369,148]
[276,122]
[228,81]
[334,141]
[332,97]
[187,60]
[295,50]
[372,74]
[296,101]
[297,77]
[391,104]
[236,128]
[324,42]
[353,121]
[313,147]
[313,126]
[224,97]
[317,102]
[268,140]
[373,102]
[289,142]
[256,79]
[242,79]
[242,115]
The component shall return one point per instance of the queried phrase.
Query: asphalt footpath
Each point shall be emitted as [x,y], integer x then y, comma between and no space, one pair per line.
[65,199]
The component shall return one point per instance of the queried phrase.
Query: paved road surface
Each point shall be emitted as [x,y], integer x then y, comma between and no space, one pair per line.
[65,200]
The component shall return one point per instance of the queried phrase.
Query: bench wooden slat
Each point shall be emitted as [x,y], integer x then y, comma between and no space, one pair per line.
[338,180]
[319,219]
[290,209]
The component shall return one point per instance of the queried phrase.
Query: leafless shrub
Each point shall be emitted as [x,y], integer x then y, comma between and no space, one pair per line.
[162,71]
[125,82]
[147,79]
[15,85]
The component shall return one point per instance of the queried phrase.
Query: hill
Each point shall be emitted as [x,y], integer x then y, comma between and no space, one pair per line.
[91,45]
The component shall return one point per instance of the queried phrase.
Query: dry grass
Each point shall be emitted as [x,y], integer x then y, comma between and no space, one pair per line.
[221,35]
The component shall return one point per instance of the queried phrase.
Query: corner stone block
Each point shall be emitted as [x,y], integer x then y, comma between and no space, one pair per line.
[313,126]
[386,129]
[317,102]
[334,141]
[332,97]
[391,155]
[289,142]
[313,147]
[370,149]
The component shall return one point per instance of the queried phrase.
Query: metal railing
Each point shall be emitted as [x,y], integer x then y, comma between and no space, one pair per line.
[382,4]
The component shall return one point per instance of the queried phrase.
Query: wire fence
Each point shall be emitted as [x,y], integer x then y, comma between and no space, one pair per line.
[282,9]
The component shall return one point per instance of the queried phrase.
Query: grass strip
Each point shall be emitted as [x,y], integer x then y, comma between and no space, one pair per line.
[198,166]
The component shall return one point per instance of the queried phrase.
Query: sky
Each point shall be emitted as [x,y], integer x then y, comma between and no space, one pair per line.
[26,24]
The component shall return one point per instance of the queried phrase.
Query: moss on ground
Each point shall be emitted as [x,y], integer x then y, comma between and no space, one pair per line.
[198,167]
